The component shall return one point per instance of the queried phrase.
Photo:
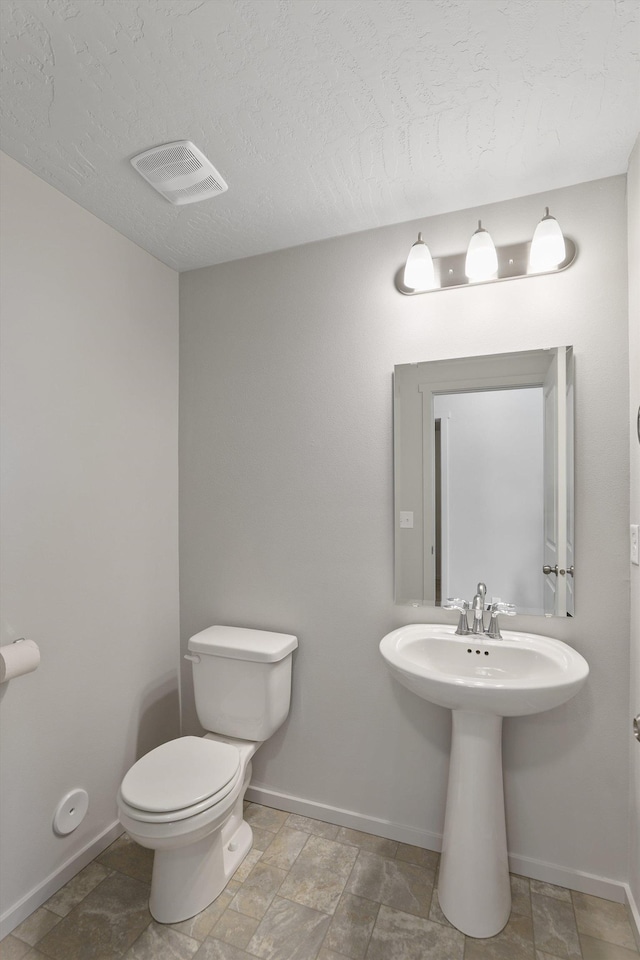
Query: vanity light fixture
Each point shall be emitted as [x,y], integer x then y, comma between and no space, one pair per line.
[549,251]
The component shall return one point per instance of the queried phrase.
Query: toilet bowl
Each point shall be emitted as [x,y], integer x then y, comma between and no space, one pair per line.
[199,841]
[184,800]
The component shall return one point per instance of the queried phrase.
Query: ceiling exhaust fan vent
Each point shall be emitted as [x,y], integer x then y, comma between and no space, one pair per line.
[180,172]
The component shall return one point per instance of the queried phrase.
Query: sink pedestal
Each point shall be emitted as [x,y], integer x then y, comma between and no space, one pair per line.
[474,888]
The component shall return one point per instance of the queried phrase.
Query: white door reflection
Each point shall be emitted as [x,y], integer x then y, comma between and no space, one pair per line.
[490,522]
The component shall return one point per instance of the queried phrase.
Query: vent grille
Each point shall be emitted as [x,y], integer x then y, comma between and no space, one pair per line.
[208,186]
[166,164]
[180,172]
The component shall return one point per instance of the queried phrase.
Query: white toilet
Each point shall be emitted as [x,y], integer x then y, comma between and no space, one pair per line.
[185,798]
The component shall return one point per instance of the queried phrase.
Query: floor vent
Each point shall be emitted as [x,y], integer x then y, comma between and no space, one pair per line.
[180,172]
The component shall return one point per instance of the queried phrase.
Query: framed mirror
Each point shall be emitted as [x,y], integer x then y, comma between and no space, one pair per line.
[483,480]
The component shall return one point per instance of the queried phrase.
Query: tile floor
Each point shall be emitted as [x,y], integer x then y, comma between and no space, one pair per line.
[310,891]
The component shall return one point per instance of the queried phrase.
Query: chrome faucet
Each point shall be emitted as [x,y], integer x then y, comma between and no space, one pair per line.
[477,606]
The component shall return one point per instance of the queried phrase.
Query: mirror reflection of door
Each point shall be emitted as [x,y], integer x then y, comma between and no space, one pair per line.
[491,465]
[438,504]
[558,508]
[553,535]
[568,498]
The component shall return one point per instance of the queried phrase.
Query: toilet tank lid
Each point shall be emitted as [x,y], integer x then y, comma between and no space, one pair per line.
[243,643]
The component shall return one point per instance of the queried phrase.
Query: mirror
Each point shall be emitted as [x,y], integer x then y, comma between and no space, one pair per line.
[483,480]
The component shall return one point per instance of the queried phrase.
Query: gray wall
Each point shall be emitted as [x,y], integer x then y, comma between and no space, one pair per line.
[633,219]
[286,514]
[89,520]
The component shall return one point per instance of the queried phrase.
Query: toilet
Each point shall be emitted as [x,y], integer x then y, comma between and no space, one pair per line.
[184,800]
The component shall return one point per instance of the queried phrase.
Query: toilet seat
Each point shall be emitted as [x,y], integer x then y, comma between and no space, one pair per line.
[180,779]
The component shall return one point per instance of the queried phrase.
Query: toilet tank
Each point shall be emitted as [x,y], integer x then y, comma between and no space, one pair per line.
[242,680]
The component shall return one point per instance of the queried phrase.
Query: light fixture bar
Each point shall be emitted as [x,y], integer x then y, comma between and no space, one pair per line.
[513,264]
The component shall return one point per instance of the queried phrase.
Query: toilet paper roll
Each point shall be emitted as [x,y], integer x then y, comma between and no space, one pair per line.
[18,658]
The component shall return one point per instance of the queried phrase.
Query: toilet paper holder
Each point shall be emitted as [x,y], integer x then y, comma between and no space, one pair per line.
[25,659]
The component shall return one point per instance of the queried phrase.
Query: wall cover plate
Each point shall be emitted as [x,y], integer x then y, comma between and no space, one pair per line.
[71,811]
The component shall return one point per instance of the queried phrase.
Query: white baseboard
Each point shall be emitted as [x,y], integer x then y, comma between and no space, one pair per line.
[568,877]
[634,911]
[40,894]
[615,890]
[344,818]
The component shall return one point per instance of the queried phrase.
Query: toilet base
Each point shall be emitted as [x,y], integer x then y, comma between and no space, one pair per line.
[187,879]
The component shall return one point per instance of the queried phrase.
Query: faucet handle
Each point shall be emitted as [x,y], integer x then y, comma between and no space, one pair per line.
[496,609]
[508,609]
[455,603]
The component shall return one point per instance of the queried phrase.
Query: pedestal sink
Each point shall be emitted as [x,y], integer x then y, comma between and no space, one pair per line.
[481,681]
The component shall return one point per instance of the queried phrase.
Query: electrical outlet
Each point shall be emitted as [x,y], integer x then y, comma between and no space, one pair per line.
[634,543]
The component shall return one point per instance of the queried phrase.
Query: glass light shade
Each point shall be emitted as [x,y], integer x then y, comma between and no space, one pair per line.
[548,246]
[482,260]
[418,272]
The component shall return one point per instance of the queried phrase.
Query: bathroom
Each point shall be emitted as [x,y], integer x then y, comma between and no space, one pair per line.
[214,445]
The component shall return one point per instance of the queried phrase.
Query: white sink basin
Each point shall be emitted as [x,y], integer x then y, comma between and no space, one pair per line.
[520,674]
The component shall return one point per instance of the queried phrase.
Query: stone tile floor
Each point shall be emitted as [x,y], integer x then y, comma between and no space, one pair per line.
[310,891]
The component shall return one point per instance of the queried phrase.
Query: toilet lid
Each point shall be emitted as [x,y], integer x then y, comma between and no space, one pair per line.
[179,774]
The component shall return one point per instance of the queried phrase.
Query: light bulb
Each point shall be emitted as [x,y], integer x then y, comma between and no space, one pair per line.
[482,260]
[548,246]
[419,274]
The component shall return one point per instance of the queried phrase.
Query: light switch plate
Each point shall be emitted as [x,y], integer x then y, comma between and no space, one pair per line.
[634,543]
[406,519]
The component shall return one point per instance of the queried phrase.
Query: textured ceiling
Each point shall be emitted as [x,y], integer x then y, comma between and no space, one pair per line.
[325,117]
